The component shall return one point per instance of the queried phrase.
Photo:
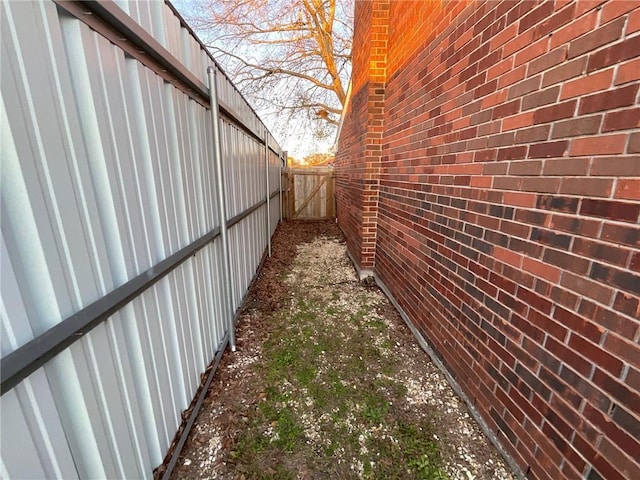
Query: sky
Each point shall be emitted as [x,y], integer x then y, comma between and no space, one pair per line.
[296,140]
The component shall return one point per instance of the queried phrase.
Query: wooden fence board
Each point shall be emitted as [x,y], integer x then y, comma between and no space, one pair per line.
[309,193]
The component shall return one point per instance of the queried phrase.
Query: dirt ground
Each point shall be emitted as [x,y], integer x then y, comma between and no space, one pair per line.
[328,382]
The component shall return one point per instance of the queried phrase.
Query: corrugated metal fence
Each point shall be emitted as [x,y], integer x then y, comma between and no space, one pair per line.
[111,260]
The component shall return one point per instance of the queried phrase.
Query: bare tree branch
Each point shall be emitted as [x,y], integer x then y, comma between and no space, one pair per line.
[289,57]
[277,71]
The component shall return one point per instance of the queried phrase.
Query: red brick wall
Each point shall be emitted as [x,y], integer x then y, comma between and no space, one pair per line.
[349,166]
[358,168]
[508,215]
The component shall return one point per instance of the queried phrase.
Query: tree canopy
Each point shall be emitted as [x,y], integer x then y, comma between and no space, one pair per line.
[290,58]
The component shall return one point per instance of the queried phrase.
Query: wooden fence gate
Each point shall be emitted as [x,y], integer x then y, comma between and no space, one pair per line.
[309,193]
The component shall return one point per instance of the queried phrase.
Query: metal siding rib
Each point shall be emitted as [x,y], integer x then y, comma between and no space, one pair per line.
[31,426]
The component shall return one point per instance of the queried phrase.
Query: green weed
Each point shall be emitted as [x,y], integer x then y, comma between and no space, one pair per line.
[325,353]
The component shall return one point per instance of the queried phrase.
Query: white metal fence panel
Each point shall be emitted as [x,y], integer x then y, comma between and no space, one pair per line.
[246,251]
[244,169]
[275,178]
[108,185]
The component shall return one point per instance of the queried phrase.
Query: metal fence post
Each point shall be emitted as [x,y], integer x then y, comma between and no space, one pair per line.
[280,180]
[266,164]
[215,125]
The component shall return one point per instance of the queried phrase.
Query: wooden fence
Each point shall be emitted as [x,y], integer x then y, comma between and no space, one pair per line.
[309,193]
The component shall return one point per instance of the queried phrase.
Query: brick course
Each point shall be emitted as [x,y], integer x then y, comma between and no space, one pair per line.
[357,188]
[487,171]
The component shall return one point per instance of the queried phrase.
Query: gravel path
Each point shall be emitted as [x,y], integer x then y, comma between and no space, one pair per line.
[328,382]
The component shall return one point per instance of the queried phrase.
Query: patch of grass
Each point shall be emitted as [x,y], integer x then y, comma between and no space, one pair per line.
[375,407]
[250,445]
[326,407]
[306,374]
[289,432]
[422,451]
[331,449]
[336,386]
[285,357]
[378,324]
[427,469]
[409,452]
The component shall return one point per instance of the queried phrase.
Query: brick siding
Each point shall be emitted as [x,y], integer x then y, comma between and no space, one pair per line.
[488,171]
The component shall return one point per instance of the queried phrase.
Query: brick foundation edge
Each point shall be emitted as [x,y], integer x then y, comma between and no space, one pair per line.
[428,349]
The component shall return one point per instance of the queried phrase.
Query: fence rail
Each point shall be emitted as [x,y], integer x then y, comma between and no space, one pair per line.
[112,280]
